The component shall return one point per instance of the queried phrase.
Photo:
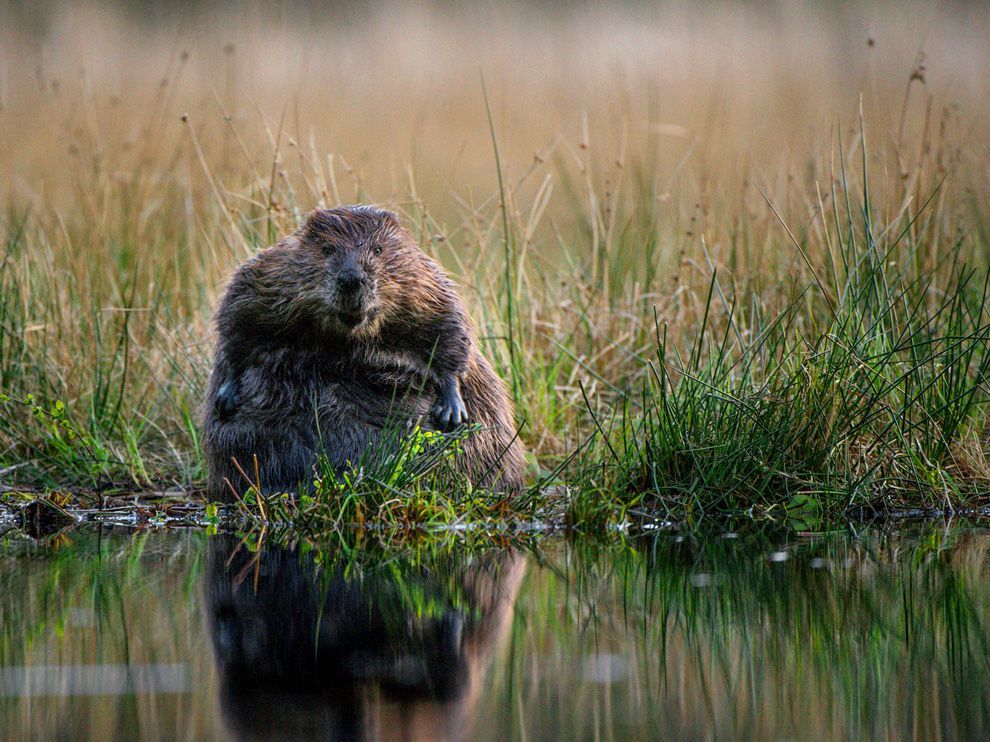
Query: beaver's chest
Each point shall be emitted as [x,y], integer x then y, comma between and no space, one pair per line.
[350,405]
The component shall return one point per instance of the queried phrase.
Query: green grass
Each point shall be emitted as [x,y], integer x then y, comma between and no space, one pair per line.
[856,385]
[409,482]
[859,396]
[821,350]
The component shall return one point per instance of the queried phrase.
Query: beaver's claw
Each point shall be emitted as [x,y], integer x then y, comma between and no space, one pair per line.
[449,412]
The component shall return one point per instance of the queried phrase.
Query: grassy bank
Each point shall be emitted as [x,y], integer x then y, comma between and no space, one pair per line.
[720,271]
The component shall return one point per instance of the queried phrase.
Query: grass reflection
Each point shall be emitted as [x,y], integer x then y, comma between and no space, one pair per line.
[709,633]
[881,634]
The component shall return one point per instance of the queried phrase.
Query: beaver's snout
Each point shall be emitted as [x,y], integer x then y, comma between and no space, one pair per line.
[351,280]
[355,295]
[354,286]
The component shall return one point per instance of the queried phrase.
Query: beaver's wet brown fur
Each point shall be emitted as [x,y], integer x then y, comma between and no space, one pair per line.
[333,338]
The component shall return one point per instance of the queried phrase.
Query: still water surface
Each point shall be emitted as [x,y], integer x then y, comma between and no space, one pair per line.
[112,634]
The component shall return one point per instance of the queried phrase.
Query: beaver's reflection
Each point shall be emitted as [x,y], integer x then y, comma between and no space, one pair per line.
[314,646]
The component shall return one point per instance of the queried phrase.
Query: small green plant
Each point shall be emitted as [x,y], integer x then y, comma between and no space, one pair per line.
[61,439]
[409,478]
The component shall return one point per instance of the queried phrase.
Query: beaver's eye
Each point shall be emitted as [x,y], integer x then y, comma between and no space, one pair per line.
[326,249]
[377,248]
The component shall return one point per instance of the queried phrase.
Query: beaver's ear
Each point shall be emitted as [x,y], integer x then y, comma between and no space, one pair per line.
[389,218]
[317,221]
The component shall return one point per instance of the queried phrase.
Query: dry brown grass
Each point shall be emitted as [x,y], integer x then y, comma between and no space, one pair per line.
[146,153]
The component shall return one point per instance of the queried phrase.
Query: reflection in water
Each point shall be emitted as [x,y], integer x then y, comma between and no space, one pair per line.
[348,651]
[94,680]
[876,633]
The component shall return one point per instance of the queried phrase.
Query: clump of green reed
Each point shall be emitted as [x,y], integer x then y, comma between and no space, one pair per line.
[409,478]
[863,391]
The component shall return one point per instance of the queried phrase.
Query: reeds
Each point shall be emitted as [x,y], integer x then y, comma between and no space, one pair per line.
[708,289]
[862,392]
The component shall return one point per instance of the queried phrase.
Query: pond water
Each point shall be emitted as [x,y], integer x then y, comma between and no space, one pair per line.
[114,634]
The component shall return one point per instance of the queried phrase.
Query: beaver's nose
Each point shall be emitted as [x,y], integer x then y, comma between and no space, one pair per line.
[350,280]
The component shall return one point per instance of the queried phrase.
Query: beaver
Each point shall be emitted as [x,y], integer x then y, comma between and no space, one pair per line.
[329,341]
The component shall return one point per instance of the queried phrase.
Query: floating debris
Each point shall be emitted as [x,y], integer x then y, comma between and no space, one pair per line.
[42,518]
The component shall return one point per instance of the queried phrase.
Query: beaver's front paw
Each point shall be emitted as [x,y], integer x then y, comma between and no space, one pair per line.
[449,412]
[228,398]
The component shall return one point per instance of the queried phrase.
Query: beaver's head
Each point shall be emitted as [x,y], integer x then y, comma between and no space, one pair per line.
[353,247]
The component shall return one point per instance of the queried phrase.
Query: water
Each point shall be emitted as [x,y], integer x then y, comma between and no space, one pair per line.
[112,634]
